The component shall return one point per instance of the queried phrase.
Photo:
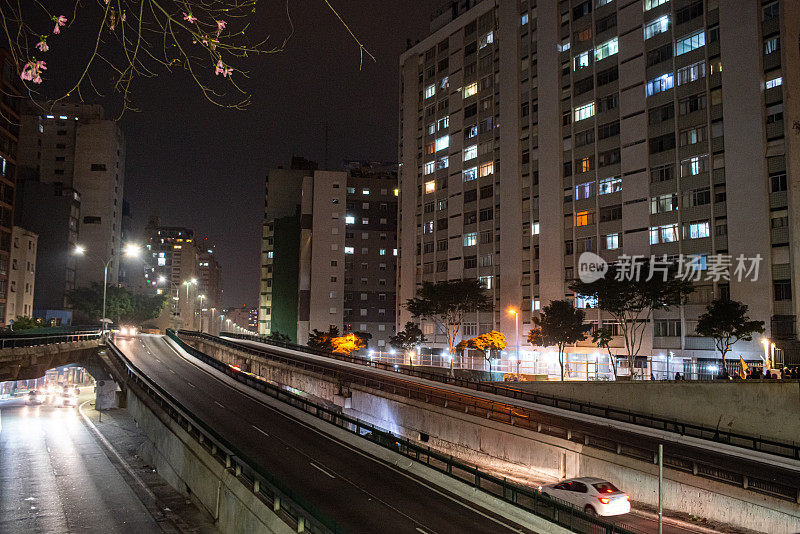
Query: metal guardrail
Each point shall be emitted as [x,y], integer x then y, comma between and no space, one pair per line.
[785,487]
[546,507]
[34,340]
[755,443]
[300,515]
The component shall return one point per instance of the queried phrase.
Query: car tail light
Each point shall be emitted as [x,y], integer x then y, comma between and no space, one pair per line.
[627,497]
[604,500]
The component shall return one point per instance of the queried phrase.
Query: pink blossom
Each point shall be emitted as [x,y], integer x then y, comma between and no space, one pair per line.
[221,69]
[189,17]
[32,71]
[42,45]
[221,25]
[60,20]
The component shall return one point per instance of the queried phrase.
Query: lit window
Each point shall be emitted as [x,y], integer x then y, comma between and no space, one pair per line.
[382,252]
[612,241]
[430,187]
[585,164]
[270,254]
[445,82]
[471,239]
[584,112]
[772,45]
[650,4]
[609,48]
[470,131]
[524,19]
[535,228]
[443,123]
[583,191]
[696,230]
[471,89]
[537,304]
[660,25]
[470,152]
[349,250]
[694,165]
[486,40]
[470,174]
[365,191]
[394,252]
[432,128]
[564,46]
[442,142]
[442,163]
[582,218]
[487,169]
[429,167]
[662,83]
[430,90]
[396,192]
[610,185]
[667,233]
[691,42]
[774,82]
[692,72]
[581,61]
[349,219]
[486,281]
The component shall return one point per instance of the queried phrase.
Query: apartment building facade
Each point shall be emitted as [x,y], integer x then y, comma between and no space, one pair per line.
[9,144]
[22,274]
[531,132]
[333,262]
[75,146]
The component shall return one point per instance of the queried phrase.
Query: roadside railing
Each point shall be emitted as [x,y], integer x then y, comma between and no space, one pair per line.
[775,481]
[293,510]
[756,443]
[530,500]
[8,341]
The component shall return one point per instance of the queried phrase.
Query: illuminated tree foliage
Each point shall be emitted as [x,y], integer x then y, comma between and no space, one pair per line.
[210,40]
[347,343]
[488,344]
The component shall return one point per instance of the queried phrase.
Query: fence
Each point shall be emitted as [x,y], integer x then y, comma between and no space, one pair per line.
[34,340]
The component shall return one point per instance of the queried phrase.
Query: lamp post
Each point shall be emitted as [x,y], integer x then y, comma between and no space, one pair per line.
[202,298]
[129,251]
[188,283]
[515,313]
[766,343]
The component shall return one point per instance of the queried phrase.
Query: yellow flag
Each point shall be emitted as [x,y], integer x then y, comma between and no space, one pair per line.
[743,372]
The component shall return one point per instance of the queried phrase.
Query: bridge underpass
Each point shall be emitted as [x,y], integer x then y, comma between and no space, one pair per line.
[552,449]
[29,356]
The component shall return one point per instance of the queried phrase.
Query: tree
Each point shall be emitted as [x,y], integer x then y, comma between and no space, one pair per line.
[89,301]
[347,343]
[559,324]
[323,340]
[120,40]
[278,337]
[145,308]
[487,344]
[726,322]
[27,323]
[602,337]
[630,300]
[446,303]
[408,338]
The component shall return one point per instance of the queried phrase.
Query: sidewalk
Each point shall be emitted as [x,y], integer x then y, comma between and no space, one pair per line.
[173,512]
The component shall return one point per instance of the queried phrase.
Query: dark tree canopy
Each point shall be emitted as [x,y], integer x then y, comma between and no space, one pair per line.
[121,304]
[408,338]
[559,324]
[726,322]
[323,340]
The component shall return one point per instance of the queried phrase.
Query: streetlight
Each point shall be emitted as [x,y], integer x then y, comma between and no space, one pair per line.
[515,313]
[202,298]
[766,342]
[130,251]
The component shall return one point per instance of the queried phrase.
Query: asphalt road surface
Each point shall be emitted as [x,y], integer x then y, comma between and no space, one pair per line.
[358,493]
[55,478]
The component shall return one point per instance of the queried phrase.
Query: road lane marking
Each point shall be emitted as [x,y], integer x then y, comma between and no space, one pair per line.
[220,405]
[315,466]
[422,531]
[254,426]
[171,371]
[191,384]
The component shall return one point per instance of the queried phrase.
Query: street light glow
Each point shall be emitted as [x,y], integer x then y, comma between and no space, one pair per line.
[132,250]
[80,250]
[162,279]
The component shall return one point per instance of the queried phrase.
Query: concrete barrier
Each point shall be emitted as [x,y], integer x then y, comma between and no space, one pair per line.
[496,445]
[190,469]
[751,407]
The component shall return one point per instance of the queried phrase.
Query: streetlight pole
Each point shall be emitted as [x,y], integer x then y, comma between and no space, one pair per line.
[130,251]
[515,313]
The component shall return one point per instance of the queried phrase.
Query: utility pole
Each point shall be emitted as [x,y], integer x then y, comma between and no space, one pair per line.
[660,485]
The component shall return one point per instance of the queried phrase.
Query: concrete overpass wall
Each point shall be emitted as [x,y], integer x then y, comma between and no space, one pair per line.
[751,407]
[23,363]
[188,467]
[534,454]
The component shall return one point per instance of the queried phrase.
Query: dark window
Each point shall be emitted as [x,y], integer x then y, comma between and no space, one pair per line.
[61,132]
[583,86]
[609,157]
[470,110]
[581,9]
[487,191]
[611,213]
[470,195]
[92,220]
[441,224]
[607,103]
[567,168]
[689,12]
[584,138]
[662,143]
[661,114]
[606,23]
[470,217]
[605,131]
[782,289]
[98,166]
[487,214]
[470,262]
[692,104]
[607,76]
[662,53]
[470,48]
[778,182]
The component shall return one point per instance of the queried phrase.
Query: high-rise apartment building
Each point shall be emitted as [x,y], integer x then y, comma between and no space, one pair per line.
[172,267]
[22,274]
[531,132]
[76,146]
[209,279]
[9,141]
[332,261]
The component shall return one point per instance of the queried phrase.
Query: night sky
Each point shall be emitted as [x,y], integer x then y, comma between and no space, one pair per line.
[197,165]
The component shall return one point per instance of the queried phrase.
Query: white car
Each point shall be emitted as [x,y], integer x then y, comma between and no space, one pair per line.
[592,495]
[66,399]
[126,331]
[37,397]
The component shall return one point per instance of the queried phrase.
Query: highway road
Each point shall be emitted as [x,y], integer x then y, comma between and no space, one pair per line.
[54,477]
[359,493]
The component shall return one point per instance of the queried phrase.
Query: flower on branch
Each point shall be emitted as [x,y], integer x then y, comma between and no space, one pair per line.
[189,17]
[220,26]
[32,71]
[42,45]
[221,69]
[60,20]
